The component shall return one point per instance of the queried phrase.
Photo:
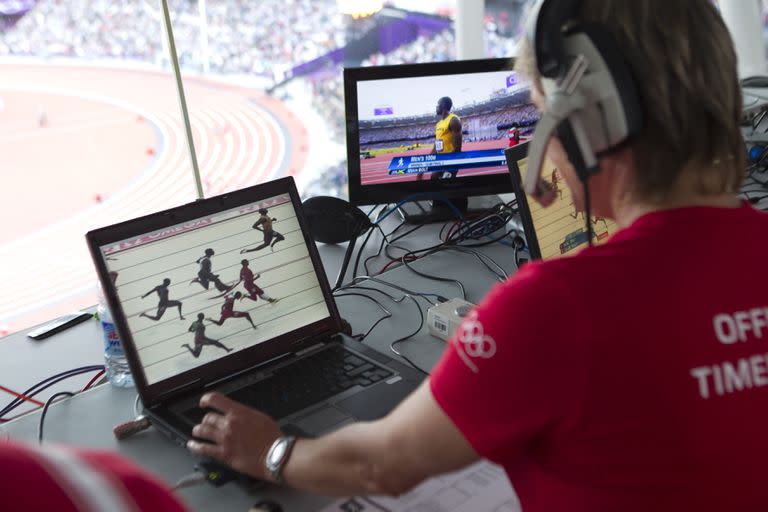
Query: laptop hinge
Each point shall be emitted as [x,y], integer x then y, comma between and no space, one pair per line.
[246,370]
[311,348]
[178,389]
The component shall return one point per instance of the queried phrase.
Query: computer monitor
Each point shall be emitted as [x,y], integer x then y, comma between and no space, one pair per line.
[434,130]
[558,229]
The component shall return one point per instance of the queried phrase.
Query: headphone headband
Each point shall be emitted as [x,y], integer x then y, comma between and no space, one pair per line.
[546,34]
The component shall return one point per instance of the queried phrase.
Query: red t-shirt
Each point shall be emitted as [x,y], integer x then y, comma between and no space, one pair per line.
[61,479]
[632,376]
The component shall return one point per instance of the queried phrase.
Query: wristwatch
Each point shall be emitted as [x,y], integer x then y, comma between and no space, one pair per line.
[277,456]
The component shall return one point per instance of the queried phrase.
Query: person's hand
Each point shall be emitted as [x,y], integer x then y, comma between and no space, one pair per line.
[237,435]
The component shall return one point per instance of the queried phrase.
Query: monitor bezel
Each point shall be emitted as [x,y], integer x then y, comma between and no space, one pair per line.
[514,155]
[241,360]
[360,194]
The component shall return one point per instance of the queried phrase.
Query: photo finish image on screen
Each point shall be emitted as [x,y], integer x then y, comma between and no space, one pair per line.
[211,287]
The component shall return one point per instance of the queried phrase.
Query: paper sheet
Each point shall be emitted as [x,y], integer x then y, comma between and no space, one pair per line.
[482,487]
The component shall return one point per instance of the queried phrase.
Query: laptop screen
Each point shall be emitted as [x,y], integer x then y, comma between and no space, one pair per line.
[199,291]
[557,229]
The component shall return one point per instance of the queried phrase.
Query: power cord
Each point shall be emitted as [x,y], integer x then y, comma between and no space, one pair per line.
[387,313]
[393,345]
[41,386]
[45,411]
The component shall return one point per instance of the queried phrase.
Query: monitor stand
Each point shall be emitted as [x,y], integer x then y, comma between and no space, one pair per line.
[431,211]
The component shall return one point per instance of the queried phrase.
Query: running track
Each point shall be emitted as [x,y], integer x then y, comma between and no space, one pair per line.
[242,137]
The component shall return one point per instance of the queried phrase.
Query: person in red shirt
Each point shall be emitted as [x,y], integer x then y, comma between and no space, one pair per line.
[228,310]
[63,479]
[249,283]
[629,376]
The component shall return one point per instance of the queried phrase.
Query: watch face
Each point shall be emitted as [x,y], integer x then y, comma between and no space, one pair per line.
[277,453]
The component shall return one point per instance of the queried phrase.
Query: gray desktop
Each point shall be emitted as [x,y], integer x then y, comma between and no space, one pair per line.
[87,419]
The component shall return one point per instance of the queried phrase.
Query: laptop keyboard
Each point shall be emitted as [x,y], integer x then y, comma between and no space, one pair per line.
[308,381]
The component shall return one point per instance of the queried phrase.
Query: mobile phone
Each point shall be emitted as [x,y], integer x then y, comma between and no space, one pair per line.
[58,325]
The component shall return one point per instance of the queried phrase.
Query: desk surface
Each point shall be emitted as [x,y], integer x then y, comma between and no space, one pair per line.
[76,421]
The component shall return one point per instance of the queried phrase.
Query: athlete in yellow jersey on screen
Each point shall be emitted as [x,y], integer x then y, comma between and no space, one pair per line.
[447,136]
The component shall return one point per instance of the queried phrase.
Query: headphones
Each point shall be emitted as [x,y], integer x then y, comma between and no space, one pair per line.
[592,104]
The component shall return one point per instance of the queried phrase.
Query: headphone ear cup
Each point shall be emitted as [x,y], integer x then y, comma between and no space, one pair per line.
[568,140]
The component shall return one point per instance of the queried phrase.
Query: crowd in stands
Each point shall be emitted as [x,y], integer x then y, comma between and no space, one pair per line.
[416,133]
[485,126]
[266,37]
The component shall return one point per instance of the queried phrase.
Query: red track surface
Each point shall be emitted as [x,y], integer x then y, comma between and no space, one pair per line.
[101,124]
[374,170]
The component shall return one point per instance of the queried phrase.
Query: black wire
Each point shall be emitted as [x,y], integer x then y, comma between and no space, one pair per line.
[414,333]
[387,313]
[390,297]
[435,278]
[381,245]
[395,286]
[360,252]
[365,242]
[501,275]
[46,383]
[587,211]
[45,411]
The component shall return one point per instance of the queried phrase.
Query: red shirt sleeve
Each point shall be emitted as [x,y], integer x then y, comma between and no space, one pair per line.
[512,373]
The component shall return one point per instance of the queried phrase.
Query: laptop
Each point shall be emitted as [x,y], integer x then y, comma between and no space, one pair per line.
[229,294]
[558,229]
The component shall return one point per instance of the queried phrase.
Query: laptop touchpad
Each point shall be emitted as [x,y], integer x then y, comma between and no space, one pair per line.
[377,401]
[322,421]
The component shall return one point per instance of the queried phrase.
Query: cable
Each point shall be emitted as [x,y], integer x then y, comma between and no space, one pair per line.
[46,383]
[365,242]
[21,396]
[396,287]
[501,275]
[90,382]
[588,212]
[45,411]
[414,333]
[136,412]
[191,480]
[387,313]
[435,278]
[423,195]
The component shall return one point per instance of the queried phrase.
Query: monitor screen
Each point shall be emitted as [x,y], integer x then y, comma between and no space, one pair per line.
[439,128]
[198,291]
[558,229]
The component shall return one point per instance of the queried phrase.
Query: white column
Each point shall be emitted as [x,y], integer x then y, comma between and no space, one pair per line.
[470,40]
[204,57]
[744,21]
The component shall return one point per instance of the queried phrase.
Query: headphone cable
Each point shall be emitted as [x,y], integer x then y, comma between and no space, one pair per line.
[587,210]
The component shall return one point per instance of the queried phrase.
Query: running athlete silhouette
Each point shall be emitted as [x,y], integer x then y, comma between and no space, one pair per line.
[198,327]
[228,310]
[162,292]
[266,221]
[249,282]
[205,276]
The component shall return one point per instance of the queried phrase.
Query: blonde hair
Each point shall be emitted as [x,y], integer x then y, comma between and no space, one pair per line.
[684,64]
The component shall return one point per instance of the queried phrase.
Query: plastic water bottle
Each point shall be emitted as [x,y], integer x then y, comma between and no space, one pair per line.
[117,370]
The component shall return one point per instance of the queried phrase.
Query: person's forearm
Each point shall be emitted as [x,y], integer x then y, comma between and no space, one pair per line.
[355,460]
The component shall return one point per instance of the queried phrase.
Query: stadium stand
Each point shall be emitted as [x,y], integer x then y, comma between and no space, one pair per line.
[262,38]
